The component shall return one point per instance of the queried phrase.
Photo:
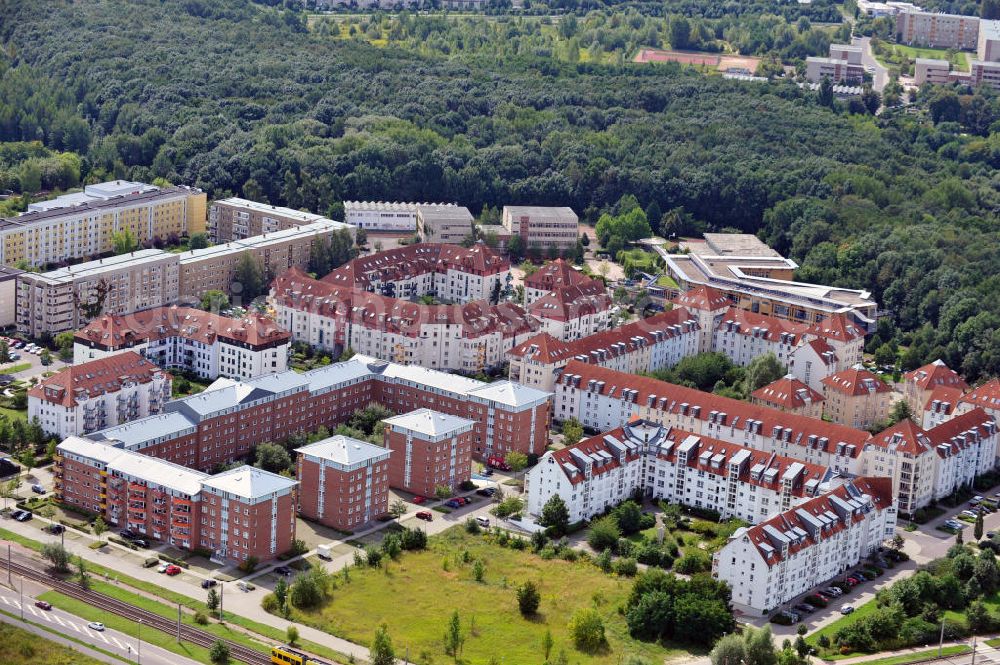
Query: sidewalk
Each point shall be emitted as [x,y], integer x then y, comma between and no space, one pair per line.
[981,648]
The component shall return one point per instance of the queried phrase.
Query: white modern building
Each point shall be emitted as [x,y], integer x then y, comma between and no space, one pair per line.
[385,216]
[773,562]
[673,465]
[101,393]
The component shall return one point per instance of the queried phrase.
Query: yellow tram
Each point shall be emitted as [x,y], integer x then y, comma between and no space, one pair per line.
[286,655]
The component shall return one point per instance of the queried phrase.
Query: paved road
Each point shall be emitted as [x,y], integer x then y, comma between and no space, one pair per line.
[50,623]
[881,76]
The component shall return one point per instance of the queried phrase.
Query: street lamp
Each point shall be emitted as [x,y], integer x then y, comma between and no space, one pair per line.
[138,650]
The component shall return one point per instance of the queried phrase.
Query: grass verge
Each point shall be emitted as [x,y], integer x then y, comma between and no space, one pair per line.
[21,646]
[919,656]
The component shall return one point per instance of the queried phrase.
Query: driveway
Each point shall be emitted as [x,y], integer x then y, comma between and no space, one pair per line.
[880,78]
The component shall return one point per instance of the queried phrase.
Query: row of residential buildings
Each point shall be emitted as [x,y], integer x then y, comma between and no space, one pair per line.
[147,473]
[368,305]
[67,298]
[952,31]
[809,523]
[925,465]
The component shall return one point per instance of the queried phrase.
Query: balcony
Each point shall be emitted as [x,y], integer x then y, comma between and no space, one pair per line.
[136,487]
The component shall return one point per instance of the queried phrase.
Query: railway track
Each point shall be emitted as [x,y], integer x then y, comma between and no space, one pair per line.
[101,601]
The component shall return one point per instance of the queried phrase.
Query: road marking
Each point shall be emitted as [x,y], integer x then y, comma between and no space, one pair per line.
[101,635]
[56,617]
[115,640]
[31,609]
[7,600]
[75,627]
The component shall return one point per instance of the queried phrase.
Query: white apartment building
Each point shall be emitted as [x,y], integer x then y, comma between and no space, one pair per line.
[191,339]
[926,465]
[443,223]
[102,393]
[237,219]
[674,465]
[574,312]
[605,399]
[56,301]
[640,346]
[773,562]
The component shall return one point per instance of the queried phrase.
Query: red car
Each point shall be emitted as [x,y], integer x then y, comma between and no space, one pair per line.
[173,570]
[419,500]
[43,604]
[425,515]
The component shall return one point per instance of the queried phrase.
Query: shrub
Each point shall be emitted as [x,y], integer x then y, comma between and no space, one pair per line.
[270,603]
[586,627]
[626,567]
[604,533]
[695,561]
[472,526]
[528,598]
[467,486]
[247,566]
[200,618]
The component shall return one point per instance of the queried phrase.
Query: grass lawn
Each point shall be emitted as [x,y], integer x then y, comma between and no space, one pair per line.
[20,646]
[14,414]
[959,61]
[667,281]
[416,596]
[127,626]
[14,369]
[920,655]
[831,629]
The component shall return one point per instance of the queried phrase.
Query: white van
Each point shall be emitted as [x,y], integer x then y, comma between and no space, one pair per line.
[483,522]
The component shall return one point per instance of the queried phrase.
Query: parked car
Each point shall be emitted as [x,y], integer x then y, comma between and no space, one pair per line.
[846,609]
[419,500]
[245,587]
[173,570]
[425,515]
[283,570]
[127,534]
[861,577]
[37,489]
[45,605]
[806,608]
[483,522]
[23,515]
[96,625]
[486,491]
[208,584]
[487,472]
[163,568]
[56,529]
[833,591]
[454,503]
[852,581]
[466,500]
[139,542]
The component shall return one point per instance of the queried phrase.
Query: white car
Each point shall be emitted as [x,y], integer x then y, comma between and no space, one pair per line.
[96,625]
[163,568]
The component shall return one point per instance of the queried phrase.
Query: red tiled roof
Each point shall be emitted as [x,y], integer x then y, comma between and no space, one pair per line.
[113,330]
[855,382]
[946,396]
[570,302]
[986,396]
[837,327]
[787,393]
[675,399]
[297,290]
[954,432]
[413,260]
[555,274]
[97,377]
[703,298]
[879,490]
[905,436]
[825,352]
[769,327]
[547,350]
[935,374]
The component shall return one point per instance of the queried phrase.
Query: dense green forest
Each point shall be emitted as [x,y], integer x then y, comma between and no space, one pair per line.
[236,98]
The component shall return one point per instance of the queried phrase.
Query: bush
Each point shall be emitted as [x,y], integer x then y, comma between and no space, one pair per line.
[467,486]
[270,603]
[200,618]
[586,627]
[626,567]
[247,565]
[413,539]
[695,561]
[528,598]
[604,533]
[472,526]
